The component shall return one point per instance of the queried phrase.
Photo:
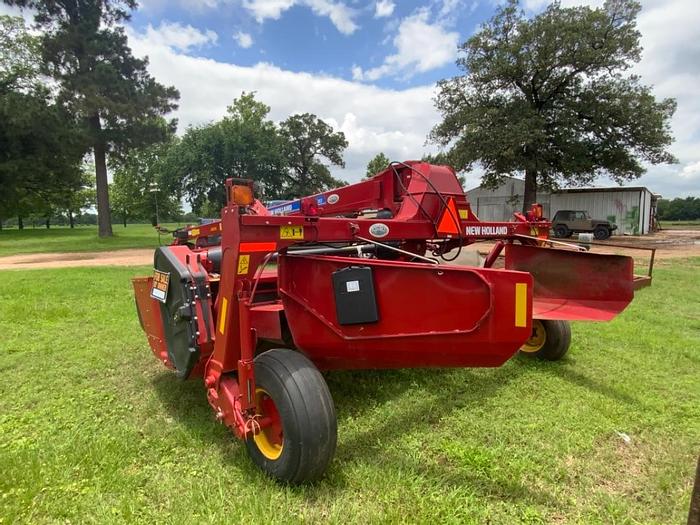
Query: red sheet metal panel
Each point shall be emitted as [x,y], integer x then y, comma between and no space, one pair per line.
[429,315]
[575,286]
[149,315]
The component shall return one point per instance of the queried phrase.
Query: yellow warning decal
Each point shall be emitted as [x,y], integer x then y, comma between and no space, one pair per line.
[291,232]
[243,264]
[194,232]
[222,315]
[463,214]
[521,304]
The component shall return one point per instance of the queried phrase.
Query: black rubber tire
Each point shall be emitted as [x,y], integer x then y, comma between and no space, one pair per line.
[601,233]
[306,409]
[561,231]
[557,342]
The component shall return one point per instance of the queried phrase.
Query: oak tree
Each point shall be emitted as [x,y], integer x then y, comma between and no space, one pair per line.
[308,141]
[378,163]
[551,97]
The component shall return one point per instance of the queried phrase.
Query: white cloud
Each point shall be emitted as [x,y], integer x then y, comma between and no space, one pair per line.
[207,87]
[384,8]
[263,9]
[244,39]
[450,9]
[340,14]
[397,121]
[420,46]
[691,170]
[180,37]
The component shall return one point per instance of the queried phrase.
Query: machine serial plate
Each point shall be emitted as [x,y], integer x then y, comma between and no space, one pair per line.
[159,290]
[291,232]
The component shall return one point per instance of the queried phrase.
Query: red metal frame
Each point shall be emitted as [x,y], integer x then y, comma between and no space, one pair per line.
[431,314]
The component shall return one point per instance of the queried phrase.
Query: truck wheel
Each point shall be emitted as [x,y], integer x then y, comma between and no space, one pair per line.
[601,233]
[561,231]
[550,340]
[300,441]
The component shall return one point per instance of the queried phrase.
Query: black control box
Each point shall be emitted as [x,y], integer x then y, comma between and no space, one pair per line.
[355,302]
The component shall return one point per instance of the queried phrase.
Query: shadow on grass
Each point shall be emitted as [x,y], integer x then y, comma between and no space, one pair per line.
[439,393]
[563,370]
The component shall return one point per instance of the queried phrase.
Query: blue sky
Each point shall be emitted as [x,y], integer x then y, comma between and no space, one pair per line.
[303,38]
[369,67]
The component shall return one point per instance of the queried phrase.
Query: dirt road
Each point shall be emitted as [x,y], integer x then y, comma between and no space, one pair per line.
[26,261]
[670,244]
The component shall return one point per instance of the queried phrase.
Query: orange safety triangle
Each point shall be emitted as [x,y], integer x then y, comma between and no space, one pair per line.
[449,216]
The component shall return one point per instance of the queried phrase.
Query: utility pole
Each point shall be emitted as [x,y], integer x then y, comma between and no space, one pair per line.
[154,190]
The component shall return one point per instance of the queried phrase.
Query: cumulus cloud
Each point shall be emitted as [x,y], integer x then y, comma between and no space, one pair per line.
[420,46]
[374,119]
[384,8]
[339,14]
[244,39]
[691,170]
[180,37]
[397,121]
[264,9]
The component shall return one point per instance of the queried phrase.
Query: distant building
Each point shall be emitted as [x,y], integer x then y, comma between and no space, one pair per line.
[632,209]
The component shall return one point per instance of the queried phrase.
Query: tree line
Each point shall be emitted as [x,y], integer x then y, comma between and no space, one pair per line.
[548,96]
[679,209]
[286,160]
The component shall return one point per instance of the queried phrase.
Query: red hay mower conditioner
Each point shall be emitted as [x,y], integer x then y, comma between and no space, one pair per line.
[260,301]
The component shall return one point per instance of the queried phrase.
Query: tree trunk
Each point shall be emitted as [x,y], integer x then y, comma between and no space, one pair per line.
[530,196]
[104,222]
[20,222]
[70,219]
[124,216]
[48,223]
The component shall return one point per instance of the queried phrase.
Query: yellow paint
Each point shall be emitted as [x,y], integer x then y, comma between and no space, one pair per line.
[243,264]
[194,232]
[534,231]
[291,232]
[267,448]
[463,214]
[222,315]
[537,339]
[521,304]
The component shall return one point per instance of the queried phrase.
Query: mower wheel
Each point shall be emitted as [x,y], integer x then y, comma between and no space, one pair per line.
[550,340]
[299,442]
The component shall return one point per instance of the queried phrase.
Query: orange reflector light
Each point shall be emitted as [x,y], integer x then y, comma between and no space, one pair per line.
[242,195]
[449,223]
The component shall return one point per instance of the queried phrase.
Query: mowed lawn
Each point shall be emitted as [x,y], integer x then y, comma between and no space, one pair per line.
[94,430]
[680,225]
[78,239]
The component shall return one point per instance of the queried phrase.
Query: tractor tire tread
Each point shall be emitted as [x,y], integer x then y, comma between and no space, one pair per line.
[557,342]
[308,416]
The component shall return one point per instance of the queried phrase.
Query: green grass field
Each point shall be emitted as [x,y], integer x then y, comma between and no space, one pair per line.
[94,430]
[680,225]
[78,239]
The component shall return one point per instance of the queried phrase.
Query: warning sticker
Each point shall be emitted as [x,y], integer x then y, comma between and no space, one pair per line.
[352,286]
[291,232]
[243,264]
[159,290]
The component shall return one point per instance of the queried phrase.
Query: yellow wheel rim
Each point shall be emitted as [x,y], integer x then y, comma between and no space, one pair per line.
[537,339]
[269,439]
